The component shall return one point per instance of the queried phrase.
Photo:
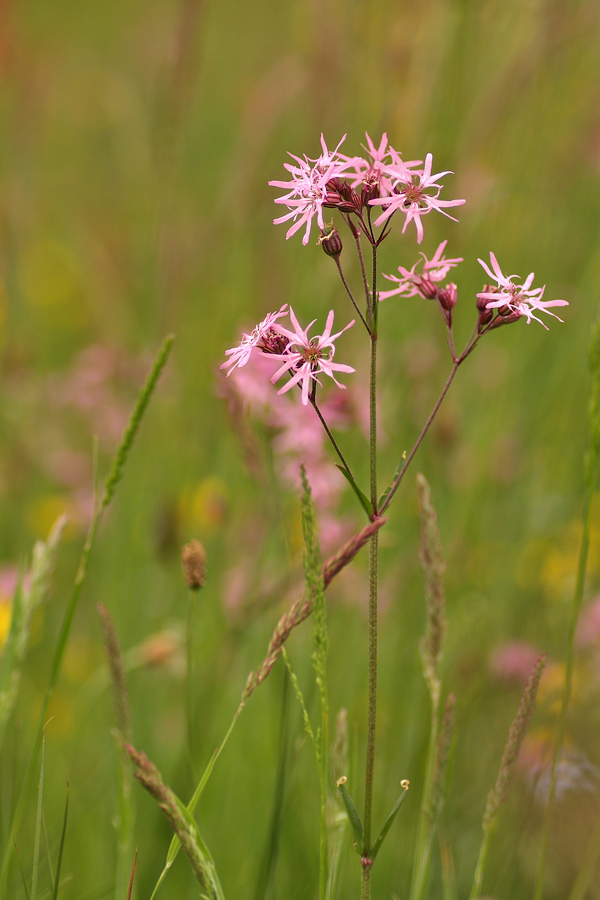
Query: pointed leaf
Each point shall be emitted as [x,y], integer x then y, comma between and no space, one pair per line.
[388,823]
[353,814]
[362,498]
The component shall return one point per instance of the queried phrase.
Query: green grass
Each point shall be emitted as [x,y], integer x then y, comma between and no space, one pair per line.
[138,140]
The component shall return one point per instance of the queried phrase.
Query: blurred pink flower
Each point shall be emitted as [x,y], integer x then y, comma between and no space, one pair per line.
[305,358]
[411,283]
[588,627]
[409,194]
[513,661]
[574,773]
[240,355]
[307,189]
[520,299]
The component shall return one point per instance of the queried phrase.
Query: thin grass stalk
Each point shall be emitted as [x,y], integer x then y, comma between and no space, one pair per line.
[499,794]
[61,847]
[588,866]
[22,871]
[26,601]
[182,823]
[313,573]
[122,734]
[422,859]
[431,646]
[187,685]
[115,475]
[591,466]
[38,825]
[48,854]
[298,612]
[338,817]
[264,889]
[193,561]
[448,872]
[175,844]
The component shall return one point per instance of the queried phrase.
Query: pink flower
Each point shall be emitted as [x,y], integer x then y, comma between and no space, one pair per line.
[307,190]
[409,194]
[305,358]
[377,169]
[513,661]
[411,282]
[519,298]
[588,627]
[260,337]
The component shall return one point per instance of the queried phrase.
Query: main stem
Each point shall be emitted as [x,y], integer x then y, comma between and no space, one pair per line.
[373,558]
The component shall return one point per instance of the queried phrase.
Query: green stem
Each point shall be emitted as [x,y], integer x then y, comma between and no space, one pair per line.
[189,663]
[373,560]
[351,295]
[401,470]
[425,832]
[484,852]
[560,736]
[334,443]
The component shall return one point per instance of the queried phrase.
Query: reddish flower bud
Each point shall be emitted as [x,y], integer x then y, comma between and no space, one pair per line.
[427,288]
[370,191]
[482,302]
[485,317]
[507,319]
[331,241]
[447,298]
[332,199]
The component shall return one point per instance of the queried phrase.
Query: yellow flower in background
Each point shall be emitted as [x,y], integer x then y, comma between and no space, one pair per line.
[552,564]
[51,281]
[43,512]
[205,506]
[5,618]
[9,577]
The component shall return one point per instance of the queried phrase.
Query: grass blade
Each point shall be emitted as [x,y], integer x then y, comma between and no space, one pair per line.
[61,847]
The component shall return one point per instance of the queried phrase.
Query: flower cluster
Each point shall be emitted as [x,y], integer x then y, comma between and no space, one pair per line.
[387,181]
[295,435]
[302,357]
[511,301]
[412,283]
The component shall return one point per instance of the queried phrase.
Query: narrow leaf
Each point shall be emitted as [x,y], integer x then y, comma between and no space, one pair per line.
[62,846]
[388,823]
[353,814]
[362,498]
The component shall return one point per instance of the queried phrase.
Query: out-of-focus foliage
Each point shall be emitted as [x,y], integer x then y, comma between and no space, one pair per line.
[137,142]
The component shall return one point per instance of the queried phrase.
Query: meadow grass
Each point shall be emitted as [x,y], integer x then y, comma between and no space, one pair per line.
[138,140]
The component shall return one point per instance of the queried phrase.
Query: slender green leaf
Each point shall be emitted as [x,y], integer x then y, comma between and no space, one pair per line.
[353,815]
[362,497]
[62,846]
[388,822]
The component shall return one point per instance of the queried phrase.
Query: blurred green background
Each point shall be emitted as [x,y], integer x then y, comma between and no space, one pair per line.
[137,143]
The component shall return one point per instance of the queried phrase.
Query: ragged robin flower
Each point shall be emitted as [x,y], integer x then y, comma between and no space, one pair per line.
[305,358]
[413,193]
[515,300]
[412,283]
[263,337]
[307,189]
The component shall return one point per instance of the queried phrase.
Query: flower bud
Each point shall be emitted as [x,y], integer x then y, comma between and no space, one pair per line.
[507,319]
[482,302]
[370,191]
[485,317]
[447,298]
[193,560]
[331,241]
[427,288]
